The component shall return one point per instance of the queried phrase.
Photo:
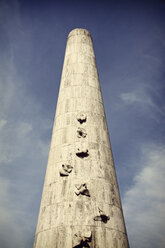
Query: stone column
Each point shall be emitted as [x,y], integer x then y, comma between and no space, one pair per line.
[80,204]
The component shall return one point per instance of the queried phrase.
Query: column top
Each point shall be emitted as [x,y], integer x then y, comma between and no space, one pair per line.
[79,31]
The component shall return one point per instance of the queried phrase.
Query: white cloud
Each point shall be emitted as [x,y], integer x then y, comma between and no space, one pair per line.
[144,202]
[23,155]
[2,123]
[143,100]
[14,139]
[15,222]
[136,97]
[130,97]
[23,150]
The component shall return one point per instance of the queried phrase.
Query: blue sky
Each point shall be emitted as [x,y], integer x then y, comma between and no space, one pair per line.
[129,42]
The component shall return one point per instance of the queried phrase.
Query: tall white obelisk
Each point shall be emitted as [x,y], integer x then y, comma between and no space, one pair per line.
[80,204]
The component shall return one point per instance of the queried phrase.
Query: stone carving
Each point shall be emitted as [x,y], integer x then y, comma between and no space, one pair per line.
[83,153]
[65,170]
[101,217]
[81,132]
[81,239]
[81,117]
[82,189]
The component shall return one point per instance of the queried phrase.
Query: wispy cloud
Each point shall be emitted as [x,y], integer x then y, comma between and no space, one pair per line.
[23,150]
[2,123]
[143,99]
[144,202]
[12,229]
[136,97]
[23,155]
[14,138]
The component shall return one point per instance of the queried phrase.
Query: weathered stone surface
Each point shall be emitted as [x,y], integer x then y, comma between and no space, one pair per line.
[80,205]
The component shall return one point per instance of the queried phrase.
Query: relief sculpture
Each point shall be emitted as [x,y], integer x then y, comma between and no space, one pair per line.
[81,239]
[82,189]
[81,133]
[81,118]
[83,153]
[65,170]
[101,217]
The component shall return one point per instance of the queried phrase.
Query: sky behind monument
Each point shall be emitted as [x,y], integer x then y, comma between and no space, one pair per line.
[129,43]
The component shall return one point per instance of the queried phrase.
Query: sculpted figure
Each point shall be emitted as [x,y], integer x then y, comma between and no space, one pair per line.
[81,117]
[82,153]
[81,132]
[101,217]
[65,170]
[82,189]
[81,239]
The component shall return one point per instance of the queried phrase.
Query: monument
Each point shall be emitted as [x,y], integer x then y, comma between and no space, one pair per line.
[80,204]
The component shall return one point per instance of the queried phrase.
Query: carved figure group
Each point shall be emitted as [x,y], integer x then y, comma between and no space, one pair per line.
[65,170]
[82,239]
[82,189]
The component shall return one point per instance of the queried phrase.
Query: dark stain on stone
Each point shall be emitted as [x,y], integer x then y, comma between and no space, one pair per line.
[63,187]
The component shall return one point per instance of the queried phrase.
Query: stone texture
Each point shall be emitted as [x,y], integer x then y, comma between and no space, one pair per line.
[80,204]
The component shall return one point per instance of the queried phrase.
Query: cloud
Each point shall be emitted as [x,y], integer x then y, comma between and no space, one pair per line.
[23,147]
[12,233]
[144,202]
[14,138]
[2,123]
[130,97]
[23,155]
[136,97]
[144,100]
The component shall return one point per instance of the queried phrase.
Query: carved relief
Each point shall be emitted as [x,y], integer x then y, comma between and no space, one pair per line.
[83,153]
[65,170]
[81,117]
[81,239]
[81,132]
[82,189]
[101,217]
